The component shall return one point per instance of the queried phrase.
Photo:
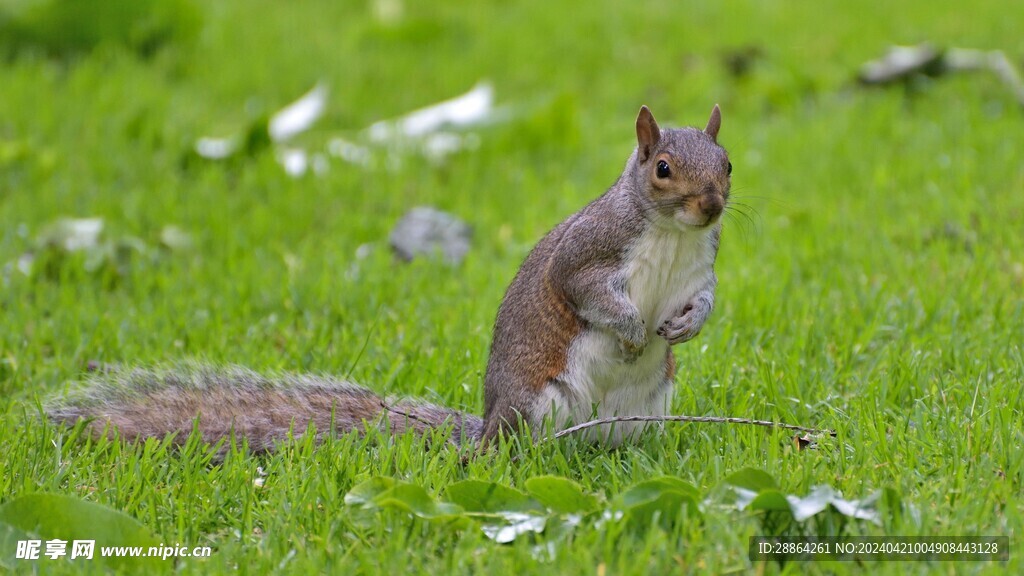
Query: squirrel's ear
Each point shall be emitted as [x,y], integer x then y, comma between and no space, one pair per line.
[647,133]
[714,123]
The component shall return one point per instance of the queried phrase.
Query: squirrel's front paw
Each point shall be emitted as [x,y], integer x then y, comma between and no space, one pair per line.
[633,342]
[630,351]
[683,327]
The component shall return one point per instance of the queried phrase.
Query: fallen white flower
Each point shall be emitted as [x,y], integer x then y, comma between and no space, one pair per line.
[298,116]
[465,110]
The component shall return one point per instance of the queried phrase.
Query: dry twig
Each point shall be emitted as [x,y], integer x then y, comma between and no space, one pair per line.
[694,419]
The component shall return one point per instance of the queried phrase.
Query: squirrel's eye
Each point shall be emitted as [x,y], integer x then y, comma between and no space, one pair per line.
[729,169]
[663,171]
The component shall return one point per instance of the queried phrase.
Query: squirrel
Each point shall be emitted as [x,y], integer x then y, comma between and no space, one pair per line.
[584,331]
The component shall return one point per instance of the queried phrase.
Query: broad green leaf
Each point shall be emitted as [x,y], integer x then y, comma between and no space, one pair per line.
[60,517]
[666,498]
[388,493]
[416,501]
[752,479]
[772,501]
[365,493]
[653,488]
[748,483]
[561,495]
[490,498]
[774,513]
[669,507]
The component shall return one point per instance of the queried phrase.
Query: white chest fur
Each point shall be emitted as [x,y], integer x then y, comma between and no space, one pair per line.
[664,270]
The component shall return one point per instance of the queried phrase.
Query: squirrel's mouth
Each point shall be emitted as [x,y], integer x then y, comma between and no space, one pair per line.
[711,221]
[699,221]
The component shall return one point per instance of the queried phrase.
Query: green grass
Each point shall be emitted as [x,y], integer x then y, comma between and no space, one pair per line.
[876,288]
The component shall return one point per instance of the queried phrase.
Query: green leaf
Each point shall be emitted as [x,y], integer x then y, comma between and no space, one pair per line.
[668,499]
[561,495]
[774,513]
[652,489]
[507,513]
[389,494]
[364,494]
[489,498]
[415,500]
[752,479]
[773,501]
[60,517]
[748,483]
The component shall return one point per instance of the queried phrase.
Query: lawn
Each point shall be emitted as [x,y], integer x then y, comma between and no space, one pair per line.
[871,274]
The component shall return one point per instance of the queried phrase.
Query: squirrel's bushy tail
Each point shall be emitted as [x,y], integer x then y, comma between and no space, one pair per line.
[140,403]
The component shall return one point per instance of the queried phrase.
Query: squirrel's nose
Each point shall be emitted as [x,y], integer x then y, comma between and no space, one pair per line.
[711,206]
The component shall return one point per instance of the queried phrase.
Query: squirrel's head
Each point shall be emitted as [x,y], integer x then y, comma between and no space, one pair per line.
[681,175]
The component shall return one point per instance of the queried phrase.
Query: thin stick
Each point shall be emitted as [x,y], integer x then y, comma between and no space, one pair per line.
[711,419]
[613,419]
